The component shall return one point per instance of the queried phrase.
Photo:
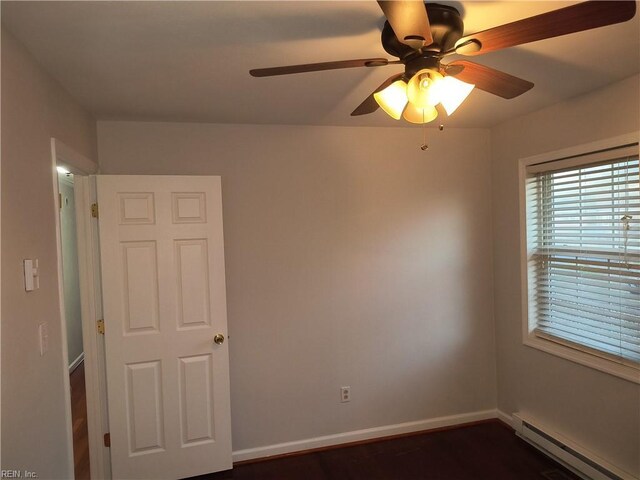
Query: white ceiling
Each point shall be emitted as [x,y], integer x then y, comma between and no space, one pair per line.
[189,61]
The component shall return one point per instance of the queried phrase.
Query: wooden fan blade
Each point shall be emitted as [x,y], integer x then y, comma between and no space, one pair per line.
[317,67]
[489,79]
[370,105]
[409,21]
[575,18]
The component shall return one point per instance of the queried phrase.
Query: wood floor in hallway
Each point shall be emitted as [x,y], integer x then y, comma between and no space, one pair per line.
[79,419]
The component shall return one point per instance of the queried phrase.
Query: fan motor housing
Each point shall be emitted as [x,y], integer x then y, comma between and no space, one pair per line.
[446,28]
[425,61]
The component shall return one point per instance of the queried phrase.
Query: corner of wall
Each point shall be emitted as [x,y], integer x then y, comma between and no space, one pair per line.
[35,404]
[523,382]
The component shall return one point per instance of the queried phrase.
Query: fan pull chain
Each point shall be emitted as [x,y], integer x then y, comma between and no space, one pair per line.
[424,145]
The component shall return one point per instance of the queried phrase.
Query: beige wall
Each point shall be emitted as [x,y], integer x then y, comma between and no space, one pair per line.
[599,411]
[352,258]
[34,108]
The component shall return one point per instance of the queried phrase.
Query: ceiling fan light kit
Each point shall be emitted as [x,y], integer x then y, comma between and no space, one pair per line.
[416,101]
[454,92]
[421,35]
[413,114]
[393,99]
[426,89]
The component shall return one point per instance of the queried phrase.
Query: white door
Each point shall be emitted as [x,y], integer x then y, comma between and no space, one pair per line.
[162,259]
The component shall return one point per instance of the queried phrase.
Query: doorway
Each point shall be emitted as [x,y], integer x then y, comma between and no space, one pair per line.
[197,416]
[86,410]
[73,323]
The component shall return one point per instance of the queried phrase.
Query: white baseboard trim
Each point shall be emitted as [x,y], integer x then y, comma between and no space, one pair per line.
[505,417]
[76,362]
[359,435]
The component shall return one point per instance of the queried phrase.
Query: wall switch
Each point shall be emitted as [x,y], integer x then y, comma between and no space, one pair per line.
[43,331]
[345,394]
[31,276]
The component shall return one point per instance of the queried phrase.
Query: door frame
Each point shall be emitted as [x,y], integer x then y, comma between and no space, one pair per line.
[91,306]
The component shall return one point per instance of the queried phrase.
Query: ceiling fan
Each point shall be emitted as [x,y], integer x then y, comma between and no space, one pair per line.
[422,34]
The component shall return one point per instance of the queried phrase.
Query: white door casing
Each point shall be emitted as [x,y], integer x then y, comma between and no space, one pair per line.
[162,257]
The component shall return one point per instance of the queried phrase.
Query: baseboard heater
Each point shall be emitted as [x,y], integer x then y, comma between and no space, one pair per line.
[578,460]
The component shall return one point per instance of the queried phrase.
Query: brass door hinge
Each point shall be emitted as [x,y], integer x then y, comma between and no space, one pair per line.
[100,325]
[107,440]
[60,200]
[94,210]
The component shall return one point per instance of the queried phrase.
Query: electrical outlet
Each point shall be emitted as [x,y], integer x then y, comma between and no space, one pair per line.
[31,275]
[345,394]
[43,330]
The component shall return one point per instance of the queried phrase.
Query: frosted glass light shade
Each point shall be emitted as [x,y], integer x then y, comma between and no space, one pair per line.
[414,114]
[453,93]
[425,89]
[393,99]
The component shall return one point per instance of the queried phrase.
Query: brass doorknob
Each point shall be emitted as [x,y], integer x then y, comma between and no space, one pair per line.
[218,339]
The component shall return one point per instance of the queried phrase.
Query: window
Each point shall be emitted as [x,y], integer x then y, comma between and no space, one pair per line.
[583,253]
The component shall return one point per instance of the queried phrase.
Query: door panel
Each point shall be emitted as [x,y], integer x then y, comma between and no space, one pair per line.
[139,287]
[144,407]
[164,301]
[193,283]
[196,396]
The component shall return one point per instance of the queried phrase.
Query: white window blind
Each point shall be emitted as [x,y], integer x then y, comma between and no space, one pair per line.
[583,235]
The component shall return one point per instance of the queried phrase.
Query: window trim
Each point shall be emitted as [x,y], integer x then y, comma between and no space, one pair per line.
[557,347]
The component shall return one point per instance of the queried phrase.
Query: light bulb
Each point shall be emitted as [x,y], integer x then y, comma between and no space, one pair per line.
[414,114]
[393,99]
[453,93]
[424,89]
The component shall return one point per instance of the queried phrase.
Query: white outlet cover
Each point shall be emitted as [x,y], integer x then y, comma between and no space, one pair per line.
[31,280]
[43,330]
[345,394]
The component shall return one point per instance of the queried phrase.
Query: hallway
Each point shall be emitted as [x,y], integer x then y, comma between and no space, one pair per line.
[79,416]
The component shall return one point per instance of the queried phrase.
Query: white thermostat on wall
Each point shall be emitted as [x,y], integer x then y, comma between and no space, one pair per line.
[31,280]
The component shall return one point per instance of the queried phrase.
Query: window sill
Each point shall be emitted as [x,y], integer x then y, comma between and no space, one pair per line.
[626,372]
